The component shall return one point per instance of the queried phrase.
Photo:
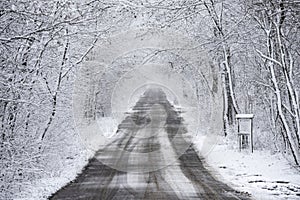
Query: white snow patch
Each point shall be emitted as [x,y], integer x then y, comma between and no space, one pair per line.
[44,187]
[244,116]
[261,174]
[181,184]
[108,126]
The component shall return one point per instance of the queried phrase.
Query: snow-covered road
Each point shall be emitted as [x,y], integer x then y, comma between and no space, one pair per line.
[150,159]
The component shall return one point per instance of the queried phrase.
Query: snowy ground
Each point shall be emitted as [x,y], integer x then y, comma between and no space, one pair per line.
[69,168]
[261,174]
[43,188]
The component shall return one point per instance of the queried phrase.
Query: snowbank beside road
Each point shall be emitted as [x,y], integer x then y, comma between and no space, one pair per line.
[43,188]
[69,164]
[261,174]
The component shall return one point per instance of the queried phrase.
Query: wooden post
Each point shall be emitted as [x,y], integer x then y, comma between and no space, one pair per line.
[251,127]
[239,136]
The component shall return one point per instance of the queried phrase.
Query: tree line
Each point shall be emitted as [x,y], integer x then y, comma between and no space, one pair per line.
[254,43]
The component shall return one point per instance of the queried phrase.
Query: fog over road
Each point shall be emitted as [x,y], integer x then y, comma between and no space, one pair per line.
[151,159]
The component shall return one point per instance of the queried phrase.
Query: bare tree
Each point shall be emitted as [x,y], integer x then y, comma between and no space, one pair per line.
[278,21]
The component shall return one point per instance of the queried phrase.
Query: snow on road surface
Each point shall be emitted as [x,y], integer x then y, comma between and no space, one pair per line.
[143,164]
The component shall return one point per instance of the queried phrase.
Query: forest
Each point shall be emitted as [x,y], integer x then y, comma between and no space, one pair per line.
[253,44]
